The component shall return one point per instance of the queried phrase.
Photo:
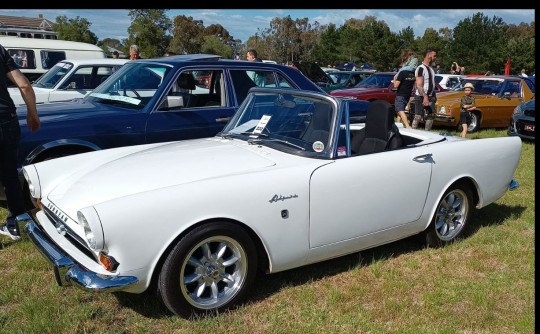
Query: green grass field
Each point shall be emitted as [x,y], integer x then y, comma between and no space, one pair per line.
[484,283]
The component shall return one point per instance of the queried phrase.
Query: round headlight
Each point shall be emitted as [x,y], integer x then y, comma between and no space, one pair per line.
[442,110]
[93,232]
[517,110]
[31,176]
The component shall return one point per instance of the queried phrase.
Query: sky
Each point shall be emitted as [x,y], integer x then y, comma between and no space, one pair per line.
[243,23]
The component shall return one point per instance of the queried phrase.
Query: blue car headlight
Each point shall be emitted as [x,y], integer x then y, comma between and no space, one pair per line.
[93,231]
[517,110]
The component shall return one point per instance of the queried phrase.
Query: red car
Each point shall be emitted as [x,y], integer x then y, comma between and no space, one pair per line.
[378,86]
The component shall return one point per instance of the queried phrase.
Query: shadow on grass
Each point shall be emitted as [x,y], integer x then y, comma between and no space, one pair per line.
[148,303]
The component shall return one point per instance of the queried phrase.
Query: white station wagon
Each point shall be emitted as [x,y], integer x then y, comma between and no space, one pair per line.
[288,182]
[70,79]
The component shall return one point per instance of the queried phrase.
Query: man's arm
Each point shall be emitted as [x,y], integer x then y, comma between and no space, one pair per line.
[29,97]
[420,85]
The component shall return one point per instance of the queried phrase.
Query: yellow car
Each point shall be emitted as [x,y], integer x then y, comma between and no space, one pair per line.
[496,98]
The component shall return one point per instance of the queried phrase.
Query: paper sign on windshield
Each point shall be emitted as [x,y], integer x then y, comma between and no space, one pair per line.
[262,124]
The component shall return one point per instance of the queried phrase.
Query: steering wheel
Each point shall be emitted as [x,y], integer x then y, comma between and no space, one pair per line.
[131,90]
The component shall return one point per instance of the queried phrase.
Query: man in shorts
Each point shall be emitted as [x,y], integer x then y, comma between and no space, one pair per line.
[424,97]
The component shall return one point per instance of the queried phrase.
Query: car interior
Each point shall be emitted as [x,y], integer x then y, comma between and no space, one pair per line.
[380,132]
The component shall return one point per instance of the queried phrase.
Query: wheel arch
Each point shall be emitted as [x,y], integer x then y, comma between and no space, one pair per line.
[262,255]
[469,182]
[57,147]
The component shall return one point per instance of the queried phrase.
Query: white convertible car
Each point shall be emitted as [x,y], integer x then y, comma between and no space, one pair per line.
[288,182]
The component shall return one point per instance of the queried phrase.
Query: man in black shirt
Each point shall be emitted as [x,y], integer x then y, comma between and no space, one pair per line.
[404,82]
[10,134]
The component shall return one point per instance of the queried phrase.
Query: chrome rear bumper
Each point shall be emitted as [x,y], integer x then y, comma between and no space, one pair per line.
[66,270]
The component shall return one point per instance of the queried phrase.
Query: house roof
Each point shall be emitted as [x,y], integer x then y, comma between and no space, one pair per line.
[22,22]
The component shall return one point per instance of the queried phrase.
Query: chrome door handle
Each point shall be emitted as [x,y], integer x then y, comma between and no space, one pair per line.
[423,158]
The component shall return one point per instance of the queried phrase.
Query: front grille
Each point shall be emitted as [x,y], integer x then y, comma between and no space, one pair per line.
[69,234]
[529,113]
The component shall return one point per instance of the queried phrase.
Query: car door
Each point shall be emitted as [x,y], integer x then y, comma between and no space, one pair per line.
[203,118]
[368,195]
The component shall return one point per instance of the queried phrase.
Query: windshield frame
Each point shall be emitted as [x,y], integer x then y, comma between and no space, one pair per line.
[51,78]
[135,85]
[250,121]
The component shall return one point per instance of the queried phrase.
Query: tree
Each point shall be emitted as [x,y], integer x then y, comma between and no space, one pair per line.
[187,35]
[369,41]
[480,44]
[149,30]
[77,29]
[214,45]
[325,51]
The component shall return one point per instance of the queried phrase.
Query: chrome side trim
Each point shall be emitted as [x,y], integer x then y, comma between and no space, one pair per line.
[66,270]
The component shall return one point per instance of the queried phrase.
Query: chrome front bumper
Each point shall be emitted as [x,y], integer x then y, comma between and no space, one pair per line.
[66,270]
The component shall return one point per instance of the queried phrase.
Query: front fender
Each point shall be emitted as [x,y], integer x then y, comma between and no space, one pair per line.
[31,157]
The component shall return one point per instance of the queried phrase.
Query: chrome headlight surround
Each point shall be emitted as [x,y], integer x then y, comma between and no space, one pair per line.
[93,231]
[31,175]
[517,110]
[442,110]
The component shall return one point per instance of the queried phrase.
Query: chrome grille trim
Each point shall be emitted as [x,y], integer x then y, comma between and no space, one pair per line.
[66,231]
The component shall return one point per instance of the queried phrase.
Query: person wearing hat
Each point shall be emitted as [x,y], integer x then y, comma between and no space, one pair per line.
[467,104]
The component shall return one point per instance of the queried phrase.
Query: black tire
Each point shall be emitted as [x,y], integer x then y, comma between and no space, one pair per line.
[451,217]
[219,260]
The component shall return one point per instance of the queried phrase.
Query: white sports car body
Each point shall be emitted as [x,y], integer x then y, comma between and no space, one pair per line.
[288,182]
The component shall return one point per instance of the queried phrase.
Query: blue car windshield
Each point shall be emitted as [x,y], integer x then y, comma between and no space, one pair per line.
[132,86]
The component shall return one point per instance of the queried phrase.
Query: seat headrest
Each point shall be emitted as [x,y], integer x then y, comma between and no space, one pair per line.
[186,81]
[379,119]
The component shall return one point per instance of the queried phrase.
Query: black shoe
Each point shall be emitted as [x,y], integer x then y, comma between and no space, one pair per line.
[10,232]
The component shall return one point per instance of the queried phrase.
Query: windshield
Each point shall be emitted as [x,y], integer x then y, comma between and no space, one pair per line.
[132,86]
[339,77]
[295,123]
[377,80]
[486,87]
[53,76]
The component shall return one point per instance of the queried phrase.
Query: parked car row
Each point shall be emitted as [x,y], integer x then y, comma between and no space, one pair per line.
[496,99]
[377,86]
[330,80]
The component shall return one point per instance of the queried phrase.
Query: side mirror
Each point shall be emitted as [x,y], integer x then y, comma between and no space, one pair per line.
[173,102]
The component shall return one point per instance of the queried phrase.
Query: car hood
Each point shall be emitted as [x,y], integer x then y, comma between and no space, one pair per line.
[157,166]
[42,95]
[67,109]
[313,71]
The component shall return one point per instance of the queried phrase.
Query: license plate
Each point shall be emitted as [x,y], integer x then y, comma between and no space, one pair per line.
[529,127]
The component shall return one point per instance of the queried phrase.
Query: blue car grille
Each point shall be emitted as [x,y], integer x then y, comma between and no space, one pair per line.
[529,113]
